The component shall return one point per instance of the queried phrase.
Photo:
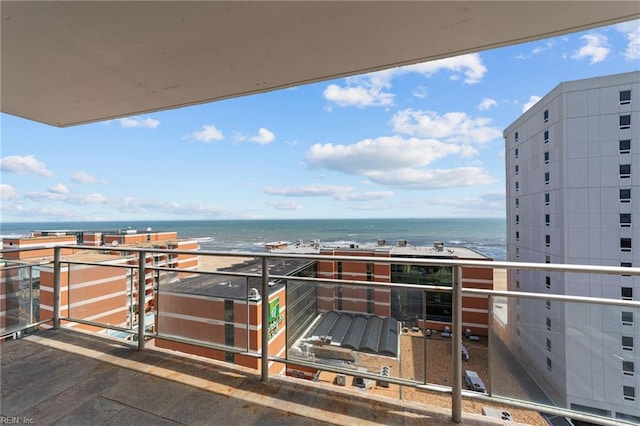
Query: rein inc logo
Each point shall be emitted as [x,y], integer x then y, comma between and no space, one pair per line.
[14,420]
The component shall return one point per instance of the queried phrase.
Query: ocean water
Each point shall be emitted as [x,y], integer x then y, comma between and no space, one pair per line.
[486,236]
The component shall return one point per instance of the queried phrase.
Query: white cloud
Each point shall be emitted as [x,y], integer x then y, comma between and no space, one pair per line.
[454,127]
[395,161]
[82,177]
[468,151]
[337,192]
[308,191]
[59,189]
[147,123]
[533,99]
[420,92]
[492,203]
[384,153]
[264,136]
[547,46]
[75,199]
[372,89]
[286,205]
[364,196]
[432,179]
[24,165]
[208,134]
[7,193]
[632,31]
[595,49]
[470,66]
[487,103]
[361,92]
[538,49]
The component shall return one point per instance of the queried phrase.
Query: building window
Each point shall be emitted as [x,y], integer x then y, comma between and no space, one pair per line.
[517,202]
[625,244]
[547,240]
[628,369]
[545,115]
[517,186]
[625,122]
[517,251]
[517,219]
[516,153]
[549,344]
[517,168]
[339,267]
[625,97]
[547,219]
[546,178]
[517,235]
[548,323]
[625,171]
[546,157]
[626,293]
[627,343]
[546,136]
[629,393]
[549,363]
[518,288]
[627,318]
[549,304]
[547,281]
[625,195]
[626,265]
[625,146]
[547,259]
[516,136]
[547,198]
[625,220]
[370,272]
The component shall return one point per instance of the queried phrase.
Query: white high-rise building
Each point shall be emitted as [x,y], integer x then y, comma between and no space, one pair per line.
[573,196]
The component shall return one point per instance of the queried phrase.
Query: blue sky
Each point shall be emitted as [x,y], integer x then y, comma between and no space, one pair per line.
[418,141]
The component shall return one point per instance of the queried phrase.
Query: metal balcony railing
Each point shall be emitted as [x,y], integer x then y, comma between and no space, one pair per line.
[71,292]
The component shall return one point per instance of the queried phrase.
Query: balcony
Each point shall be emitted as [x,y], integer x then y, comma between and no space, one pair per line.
[76,361]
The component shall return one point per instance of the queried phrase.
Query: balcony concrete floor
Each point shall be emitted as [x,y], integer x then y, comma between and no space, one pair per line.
[66,377]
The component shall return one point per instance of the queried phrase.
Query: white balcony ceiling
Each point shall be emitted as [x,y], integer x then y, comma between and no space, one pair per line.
[66,63]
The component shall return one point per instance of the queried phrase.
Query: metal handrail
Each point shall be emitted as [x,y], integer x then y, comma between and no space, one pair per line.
[456,290]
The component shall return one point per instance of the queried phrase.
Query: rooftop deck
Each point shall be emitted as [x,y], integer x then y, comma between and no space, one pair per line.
[69,377]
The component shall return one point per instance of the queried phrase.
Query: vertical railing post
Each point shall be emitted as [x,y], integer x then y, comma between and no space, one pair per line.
[31,318]
[56,287]
[142,284]
[265,320]
[456,388]
[424,334]
[132,312]
[489,343]
[247,316]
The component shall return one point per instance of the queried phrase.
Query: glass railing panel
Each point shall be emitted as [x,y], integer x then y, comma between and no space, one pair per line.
[345,328]
[20,301]
[100,294]
[562,354]
[205,308]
